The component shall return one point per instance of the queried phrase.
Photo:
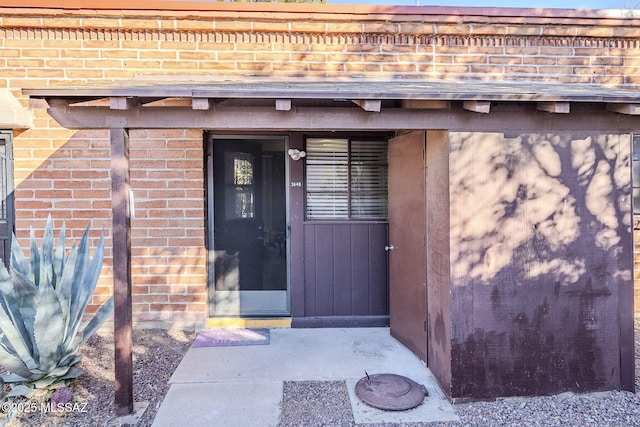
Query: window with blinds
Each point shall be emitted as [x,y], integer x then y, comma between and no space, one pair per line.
[346,179]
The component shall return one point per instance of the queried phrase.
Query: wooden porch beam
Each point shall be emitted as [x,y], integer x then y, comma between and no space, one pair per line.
[121,232]
[630,109]
[283,105]
[314,118]
[373,105]
[554,107]
[477,106]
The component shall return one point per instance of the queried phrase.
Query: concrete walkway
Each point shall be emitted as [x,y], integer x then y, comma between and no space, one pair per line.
[236,386]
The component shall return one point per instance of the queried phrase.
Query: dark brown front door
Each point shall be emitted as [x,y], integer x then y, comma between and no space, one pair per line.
[238,210]
[248,255]
[407,251]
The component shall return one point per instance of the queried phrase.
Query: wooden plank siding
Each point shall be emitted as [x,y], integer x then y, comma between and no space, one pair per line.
[345,269]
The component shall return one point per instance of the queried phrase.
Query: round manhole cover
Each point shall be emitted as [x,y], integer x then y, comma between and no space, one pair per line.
[390,392]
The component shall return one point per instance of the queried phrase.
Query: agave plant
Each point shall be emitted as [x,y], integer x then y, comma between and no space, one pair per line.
[42,306]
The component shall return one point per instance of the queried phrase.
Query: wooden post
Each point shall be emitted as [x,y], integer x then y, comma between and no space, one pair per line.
[122,324]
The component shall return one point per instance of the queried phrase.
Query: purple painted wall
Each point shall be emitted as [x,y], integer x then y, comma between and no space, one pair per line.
[541,249]
[338,269]
[345,269]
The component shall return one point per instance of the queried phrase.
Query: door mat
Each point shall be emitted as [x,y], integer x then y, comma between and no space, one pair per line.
[231,337]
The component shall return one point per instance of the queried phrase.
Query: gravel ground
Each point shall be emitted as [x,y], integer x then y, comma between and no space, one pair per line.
[305,405]
[158,352]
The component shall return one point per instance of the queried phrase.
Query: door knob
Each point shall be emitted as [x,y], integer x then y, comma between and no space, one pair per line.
[389,248]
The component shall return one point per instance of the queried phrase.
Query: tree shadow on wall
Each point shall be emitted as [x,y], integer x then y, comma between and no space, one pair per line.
[541,254]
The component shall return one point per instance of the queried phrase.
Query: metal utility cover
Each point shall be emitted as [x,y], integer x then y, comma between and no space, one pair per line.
[390,392]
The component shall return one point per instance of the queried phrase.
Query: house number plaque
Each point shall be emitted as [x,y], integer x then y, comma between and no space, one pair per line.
[296,184]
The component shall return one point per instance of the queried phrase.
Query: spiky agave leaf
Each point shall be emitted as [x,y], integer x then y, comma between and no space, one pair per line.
[100,316]
[34,259]
[11,378]
[26,294]
[80,291]
[16,340]
[49,329]
[10,361]
[16,301]
[19,261]
[60,254]
[51,292]
[20,390]
[70,356]
[13,345]
[66,287]
[46,255]
[63,287]
[84,285]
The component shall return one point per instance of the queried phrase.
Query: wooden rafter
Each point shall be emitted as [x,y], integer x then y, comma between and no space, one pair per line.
[554,107]
[483,107]
[283,105]
[373,105]
[630,109]
[202,103]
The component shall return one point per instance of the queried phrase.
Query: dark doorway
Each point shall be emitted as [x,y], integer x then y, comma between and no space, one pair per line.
[7,213]
[248,226]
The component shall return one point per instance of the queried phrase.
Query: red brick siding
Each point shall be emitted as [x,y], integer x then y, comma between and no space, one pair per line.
[168,247]
[66,173]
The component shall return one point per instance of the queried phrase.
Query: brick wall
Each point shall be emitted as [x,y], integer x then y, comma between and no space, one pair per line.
[66,173]
[167,235]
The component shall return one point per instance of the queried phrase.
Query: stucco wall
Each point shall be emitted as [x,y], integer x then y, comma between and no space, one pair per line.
[67,173]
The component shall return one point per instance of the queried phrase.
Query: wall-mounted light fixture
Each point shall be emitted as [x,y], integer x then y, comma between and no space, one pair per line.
[296,154]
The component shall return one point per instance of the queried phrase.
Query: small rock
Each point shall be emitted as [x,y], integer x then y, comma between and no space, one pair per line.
[62,396]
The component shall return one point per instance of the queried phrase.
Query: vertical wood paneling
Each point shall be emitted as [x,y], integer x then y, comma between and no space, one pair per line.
[345,269]
[325,274]
[378,289]
[342,270]
[309,271]
[360,261]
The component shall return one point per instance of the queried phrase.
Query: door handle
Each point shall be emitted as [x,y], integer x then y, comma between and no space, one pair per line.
[389,248]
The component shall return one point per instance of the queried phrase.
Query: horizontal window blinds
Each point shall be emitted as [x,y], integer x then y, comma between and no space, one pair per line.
[368,179]
[346,179]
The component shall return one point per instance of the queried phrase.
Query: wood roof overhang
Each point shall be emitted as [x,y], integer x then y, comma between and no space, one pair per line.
[271,104]
[309,105]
